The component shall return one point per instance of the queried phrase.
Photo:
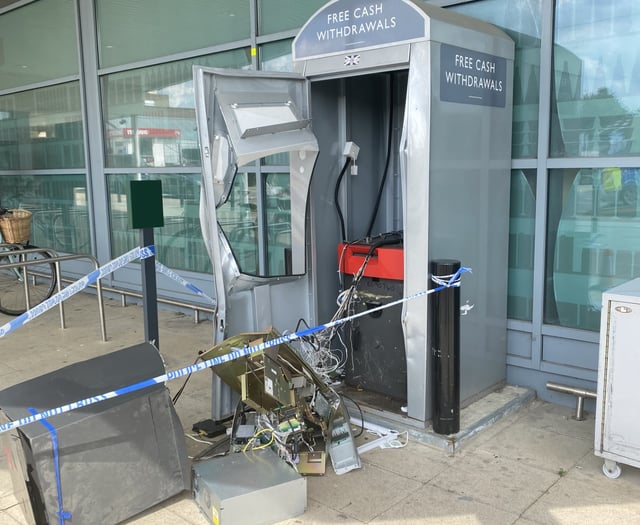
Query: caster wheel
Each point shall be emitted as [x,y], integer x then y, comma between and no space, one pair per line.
[612,471]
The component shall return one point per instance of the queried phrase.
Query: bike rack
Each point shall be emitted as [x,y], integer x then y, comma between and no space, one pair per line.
[56,260]
[197,308]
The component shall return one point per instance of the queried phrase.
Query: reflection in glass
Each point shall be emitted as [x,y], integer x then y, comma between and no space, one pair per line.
[42,129]
[145,29]
[520,19]
[38,43]
[238,218]
[150,117]
[593,242]
[251,232]
[596,79]
[276,56]
[521,243]
[58,203]
[281,15]
[278,208]
[179,243]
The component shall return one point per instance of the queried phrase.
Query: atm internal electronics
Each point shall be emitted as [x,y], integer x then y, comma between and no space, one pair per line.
[285,406]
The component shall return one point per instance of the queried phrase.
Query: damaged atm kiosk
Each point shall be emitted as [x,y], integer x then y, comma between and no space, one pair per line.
[393,137]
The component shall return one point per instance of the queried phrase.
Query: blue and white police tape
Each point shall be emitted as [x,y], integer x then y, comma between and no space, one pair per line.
[62,514]
[231,356]
[77,286]
[189,286]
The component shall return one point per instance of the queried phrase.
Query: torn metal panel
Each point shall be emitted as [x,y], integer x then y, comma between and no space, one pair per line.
[288,406]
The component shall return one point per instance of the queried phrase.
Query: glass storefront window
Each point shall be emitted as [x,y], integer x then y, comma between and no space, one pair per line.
[520,19]
[42,129]
[251,233]
[179,243]
[238,218]
[282,15]
[276,56]
[592,241]
[278,208]
[28,54]
[146,29]
[150,118]
[521,243]
[58,203]
[596,79]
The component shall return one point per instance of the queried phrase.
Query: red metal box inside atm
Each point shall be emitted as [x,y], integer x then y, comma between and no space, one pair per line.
[386,262]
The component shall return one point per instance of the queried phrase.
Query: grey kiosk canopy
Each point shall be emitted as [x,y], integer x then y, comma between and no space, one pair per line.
[453,161]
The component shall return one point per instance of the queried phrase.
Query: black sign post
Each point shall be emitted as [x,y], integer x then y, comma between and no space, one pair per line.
[445,348]
[145,213]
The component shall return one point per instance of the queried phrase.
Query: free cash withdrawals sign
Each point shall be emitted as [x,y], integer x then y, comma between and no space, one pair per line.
[351,25]
[471,77]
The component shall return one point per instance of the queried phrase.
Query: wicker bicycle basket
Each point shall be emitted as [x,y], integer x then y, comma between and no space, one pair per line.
[15,226]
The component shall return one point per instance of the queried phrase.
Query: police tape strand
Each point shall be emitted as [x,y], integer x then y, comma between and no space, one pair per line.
[77,286]
[91,278]
[454,281]
[189,286]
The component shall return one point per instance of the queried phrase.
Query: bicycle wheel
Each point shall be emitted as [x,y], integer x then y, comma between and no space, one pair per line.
[42,281]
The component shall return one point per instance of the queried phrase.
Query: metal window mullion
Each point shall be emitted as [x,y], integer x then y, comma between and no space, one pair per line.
[253,20]
[39,85]
[176,57]
[540,239]
[93,129]
[262,220]
[592,162]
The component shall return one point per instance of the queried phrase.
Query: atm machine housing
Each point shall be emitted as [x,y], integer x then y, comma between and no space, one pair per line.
[376,360]
[410,86]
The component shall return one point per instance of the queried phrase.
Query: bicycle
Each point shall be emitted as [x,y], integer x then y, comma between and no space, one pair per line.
[15,249]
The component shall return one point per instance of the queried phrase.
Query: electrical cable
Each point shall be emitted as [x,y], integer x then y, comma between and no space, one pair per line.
[256,436]
[374,213]
[317,351]
[336,199]
[206,453]
[397,443]
[197,440]
[181,389]
[340,266]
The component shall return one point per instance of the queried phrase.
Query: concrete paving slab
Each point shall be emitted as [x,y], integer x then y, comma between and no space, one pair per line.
[533,446]
[12,515]
[500,482]
[5,478]
[415,461]
[576,502]
[559,419]
[363,493]
[431,505]
[179,510]
[318,514]
[7,500]
[183,507]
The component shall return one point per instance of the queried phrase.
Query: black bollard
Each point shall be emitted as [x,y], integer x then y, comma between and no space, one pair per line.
[445,349]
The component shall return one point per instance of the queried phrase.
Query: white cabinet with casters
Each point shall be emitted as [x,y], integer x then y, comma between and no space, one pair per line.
[617,432]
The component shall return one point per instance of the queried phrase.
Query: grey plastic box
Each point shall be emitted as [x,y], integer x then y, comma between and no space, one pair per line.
[256,488]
